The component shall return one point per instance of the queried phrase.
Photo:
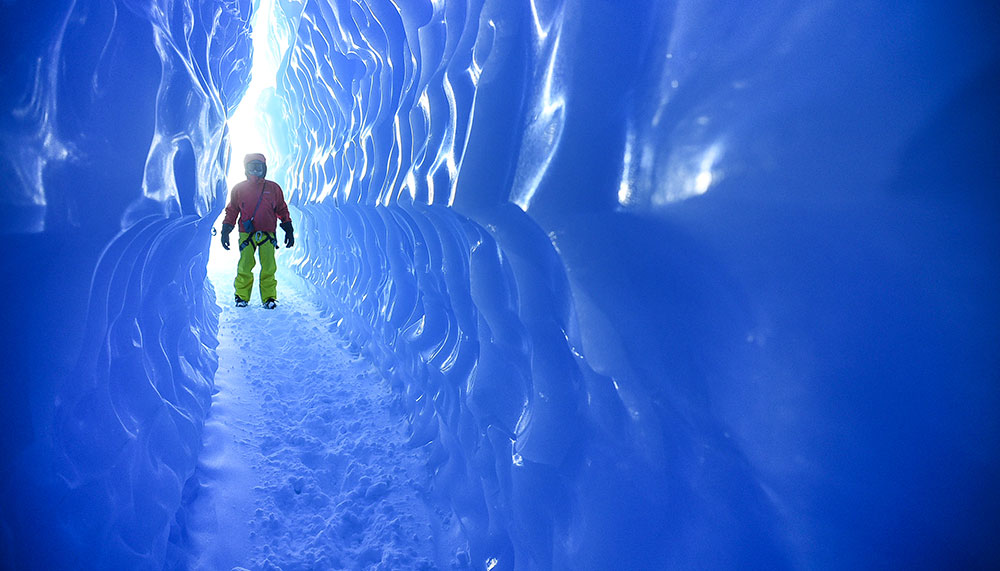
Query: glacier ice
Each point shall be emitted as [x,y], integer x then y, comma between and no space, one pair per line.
[662,284]
[114,147]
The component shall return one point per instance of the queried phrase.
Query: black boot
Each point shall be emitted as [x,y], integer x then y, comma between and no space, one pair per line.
[240,302]
[271,303]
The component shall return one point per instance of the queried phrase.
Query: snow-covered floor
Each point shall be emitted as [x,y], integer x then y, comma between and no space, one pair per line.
[305,464]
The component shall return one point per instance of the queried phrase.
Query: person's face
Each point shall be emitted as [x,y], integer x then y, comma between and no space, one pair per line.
[256,168]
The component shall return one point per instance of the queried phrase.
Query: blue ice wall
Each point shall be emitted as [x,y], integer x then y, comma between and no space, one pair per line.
[113,156]
[663,284]
[667,284]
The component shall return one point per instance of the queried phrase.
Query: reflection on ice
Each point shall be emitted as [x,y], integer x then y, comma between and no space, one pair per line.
[689,176]
[552,225]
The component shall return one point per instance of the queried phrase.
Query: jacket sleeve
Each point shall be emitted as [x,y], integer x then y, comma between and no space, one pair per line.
[280,207]
[232,209]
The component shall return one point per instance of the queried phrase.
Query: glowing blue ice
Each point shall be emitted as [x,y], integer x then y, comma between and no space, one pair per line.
[663,284]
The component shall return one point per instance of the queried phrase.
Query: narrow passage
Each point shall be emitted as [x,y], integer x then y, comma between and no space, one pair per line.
[305,464]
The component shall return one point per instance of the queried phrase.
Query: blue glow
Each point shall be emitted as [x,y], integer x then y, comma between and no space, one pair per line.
[659,284]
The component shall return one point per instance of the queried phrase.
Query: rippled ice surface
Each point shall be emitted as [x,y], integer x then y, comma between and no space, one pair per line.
[656,284]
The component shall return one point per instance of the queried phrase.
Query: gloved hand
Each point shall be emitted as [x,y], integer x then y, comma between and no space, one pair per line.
[289,234]
[226,229]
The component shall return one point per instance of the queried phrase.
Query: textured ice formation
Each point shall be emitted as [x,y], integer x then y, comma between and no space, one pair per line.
[663,284]
[114,149]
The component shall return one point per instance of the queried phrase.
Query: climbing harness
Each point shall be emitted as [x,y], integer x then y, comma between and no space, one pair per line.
[258,238]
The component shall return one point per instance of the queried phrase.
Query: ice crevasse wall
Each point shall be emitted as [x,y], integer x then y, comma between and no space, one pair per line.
[662,284]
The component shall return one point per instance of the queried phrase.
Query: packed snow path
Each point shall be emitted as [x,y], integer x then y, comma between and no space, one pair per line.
[305,464]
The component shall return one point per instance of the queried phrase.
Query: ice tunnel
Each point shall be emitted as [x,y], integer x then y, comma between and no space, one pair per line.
[661,284]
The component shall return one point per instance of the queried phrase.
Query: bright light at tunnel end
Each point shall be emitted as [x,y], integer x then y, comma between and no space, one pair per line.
[246,129]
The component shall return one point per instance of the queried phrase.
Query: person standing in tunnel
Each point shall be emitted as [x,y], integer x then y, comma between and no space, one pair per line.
[259,204]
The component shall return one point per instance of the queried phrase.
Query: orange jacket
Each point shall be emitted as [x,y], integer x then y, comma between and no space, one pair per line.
[243,199]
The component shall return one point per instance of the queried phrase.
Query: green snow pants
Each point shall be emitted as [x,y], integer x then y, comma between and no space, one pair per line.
[244,270]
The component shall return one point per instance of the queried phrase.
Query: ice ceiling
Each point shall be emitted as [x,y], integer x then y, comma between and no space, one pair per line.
[663,284]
